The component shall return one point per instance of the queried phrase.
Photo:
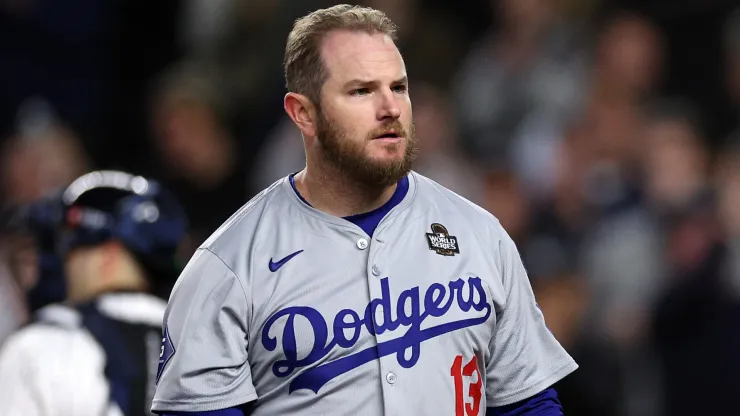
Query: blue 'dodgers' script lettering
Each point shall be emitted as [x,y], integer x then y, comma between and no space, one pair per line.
[348,325]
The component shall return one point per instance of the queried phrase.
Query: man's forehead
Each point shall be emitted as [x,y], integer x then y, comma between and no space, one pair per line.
[359,54]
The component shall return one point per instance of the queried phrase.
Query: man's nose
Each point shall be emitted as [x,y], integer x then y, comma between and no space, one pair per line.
[388,107]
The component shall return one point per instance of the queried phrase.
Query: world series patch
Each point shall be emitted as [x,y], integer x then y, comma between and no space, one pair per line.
[166,352]
[441,241]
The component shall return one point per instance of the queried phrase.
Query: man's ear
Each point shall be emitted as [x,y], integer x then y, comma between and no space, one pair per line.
[301,110]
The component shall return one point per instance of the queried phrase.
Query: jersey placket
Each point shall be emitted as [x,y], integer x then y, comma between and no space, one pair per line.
[376,273]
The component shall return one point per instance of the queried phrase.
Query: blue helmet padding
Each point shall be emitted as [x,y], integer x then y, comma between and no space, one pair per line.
[148,228]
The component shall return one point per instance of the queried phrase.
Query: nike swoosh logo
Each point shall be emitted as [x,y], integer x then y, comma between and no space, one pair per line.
[274,266]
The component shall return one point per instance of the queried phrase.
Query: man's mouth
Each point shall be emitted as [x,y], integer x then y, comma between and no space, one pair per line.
[388,136]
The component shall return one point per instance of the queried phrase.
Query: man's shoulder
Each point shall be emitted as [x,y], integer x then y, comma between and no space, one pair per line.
[431,193]
[131,308]
[246,219]
[48,338]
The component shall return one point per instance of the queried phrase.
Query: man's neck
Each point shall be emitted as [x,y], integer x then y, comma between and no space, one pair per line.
[337,195]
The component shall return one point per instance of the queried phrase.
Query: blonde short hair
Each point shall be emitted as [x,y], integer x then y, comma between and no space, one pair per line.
[305,71]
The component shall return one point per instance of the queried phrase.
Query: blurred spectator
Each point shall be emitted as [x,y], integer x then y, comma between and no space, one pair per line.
[623,77]
[728,189]
[44,155]
[728,182]
[697,318]
[504,197]
[628,60]
[593,240]
[697,321]
[623,253]
[674,166]
[440,157]
[732,67]
[518,84]
[201,161]
[598,182]
[676,161]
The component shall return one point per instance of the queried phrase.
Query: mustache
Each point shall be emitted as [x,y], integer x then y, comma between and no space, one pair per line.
[394,126]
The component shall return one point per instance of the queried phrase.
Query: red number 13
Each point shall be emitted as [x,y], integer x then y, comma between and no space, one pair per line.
[474,389]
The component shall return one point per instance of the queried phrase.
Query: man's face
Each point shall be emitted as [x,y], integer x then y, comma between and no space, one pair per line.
[364,126]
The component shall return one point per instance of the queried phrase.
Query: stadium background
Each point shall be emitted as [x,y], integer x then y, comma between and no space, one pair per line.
[601,133]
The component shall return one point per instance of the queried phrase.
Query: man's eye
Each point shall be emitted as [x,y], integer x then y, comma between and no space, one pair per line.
[399,88]
[360,91]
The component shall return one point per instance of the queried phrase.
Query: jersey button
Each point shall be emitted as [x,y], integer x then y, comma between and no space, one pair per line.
[362,244]
[376,271]
[390,378]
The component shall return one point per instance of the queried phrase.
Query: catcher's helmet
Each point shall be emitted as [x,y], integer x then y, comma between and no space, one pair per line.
[138,212]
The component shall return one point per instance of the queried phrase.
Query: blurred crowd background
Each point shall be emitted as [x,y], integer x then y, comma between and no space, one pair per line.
[601,133]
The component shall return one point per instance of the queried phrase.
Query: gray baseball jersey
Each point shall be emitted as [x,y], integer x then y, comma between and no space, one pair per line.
[305,314]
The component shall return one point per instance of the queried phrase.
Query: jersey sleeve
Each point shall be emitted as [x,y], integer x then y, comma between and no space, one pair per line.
[525,356]
[204,362]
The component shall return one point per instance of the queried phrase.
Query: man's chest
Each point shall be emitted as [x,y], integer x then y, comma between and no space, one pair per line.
[329,308]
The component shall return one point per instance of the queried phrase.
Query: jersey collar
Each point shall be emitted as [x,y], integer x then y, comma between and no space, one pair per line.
[303,206]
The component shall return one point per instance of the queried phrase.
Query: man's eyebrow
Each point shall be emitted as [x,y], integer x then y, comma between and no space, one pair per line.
[368,82]
[358,81]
